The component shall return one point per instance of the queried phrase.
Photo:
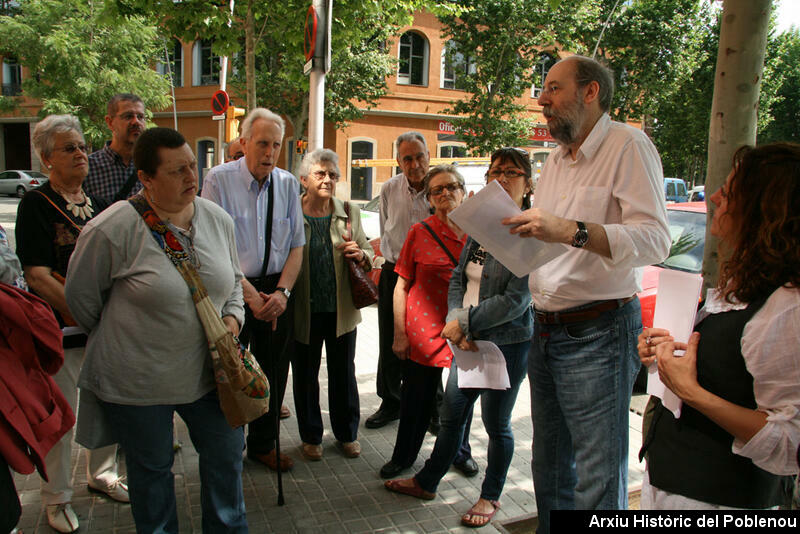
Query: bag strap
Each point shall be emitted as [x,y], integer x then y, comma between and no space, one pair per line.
[441,244]
[171,247]
[126,188]
[268,240]
[349,228]
[67,217]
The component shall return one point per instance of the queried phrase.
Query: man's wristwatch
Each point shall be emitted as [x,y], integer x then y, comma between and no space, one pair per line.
[285,292]
[581,236]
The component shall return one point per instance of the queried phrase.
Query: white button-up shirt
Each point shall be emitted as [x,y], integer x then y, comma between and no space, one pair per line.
[616,181]
[401,206]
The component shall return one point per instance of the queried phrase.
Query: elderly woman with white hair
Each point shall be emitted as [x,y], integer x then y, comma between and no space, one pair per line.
[324,309]
[49,220]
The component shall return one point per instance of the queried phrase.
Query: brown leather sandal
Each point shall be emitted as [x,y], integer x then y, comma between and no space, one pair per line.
[414,491]
[475,519]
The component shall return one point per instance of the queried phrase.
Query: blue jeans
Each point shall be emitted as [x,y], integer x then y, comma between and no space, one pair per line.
[496,406]
[581,377]
[145,434]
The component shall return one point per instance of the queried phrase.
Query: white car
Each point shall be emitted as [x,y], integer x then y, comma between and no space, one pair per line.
[20,182]
[697,194]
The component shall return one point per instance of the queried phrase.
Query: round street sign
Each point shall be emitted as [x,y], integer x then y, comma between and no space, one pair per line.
[219,102]
[310,33]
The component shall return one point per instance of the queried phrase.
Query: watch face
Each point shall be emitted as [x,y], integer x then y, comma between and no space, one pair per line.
[581,236]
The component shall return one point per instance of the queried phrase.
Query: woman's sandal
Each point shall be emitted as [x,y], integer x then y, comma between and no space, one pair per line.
[475,519]
[414,491]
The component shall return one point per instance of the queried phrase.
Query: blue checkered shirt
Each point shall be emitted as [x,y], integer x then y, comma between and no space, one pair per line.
[107,174]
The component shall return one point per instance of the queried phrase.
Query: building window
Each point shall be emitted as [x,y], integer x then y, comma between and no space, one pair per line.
[361,177]
[205,70]
[452,151]
[413,67]
[455,66]
[12,77]
[206,153]
[172,65]
[540,70]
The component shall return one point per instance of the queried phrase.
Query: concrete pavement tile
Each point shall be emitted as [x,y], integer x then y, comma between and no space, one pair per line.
[379,521]
[431,526]
[422,514]
[401,518]
[358,525]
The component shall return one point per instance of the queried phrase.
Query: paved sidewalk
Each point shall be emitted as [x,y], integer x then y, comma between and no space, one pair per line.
[335,494]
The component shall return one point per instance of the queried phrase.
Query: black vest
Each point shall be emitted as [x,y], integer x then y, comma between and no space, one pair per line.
[691,456]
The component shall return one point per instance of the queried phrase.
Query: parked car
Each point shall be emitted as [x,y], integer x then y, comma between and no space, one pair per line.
[675,190]
[697,194]
[370,218]
[20,182]
[687,226]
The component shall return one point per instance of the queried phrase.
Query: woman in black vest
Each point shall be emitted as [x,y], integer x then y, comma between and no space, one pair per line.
[739,380]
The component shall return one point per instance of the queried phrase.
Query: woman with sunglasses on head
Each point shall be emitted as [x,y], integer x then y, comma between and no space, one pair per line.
[49,220]
[486,302]
[324,310]
[420,304]
[739,427]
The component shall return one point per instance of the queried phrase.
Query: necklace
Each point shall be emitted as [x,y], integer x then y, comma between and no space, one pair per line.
[84,209]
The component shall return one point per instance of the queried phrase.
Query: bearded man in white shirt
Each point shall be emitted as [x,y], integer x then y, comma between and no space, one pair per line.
[602,193]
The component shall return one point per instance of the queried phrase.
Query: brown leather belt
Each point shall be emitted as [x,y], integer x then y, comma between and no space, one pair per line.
[586,314]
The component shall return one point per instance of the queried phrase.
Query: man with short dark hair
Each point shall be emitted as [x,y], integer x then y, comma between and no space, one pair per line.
[600,192]
[265,205]
[112,175]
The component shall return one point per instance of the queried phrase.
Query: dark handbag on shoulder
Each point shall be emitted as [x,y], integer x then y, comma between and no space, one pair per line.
[242,386]
[362,288]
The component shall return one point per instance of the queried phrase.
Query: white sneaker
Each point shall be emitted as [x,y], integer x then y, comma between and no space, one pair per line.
[117,490]
[62,517]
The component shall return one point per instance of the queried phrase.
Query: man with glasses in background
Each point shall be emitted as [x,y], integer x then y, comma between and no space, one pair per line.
[402,204]
[112,175]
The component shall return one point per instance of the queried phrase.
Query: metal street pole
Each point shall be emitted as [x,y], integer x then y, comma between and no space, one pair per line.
[316,81]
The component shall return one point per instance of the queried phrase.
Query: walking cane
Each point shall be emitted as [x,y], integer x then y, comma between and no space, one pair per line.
[277,417]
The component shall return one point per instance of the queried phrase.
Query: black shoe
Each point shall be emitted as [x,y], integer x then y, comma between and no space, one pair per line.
[391,469]
[468,467]
[381,418]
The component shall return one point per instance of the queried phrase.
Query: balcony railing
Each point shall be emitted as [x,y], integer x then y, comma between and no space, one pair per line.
[12,89]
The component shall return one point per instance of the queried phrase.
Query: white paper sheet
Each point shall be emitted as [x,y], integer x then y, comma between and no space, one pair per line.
[676,308]
[480,217]
[485,368]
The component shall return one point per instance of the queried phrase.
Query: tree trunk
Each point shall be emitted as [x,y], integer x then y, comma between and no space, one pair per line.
[250,56]
[740,62]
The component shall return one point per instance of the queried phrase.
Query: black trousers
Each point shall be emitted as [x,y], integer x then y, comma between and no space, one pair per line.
[273,350]
[417,403]
[390,367]
[340,354]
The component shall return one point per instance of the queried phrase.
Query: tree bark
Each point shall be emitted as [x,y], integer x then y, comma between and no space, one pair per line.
[250,56]
[737,82]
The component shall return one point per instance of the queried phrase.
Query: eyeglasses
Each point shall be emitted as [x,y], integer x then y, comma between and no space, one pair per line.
[320,175]
[439,189]
[70,149]
[508,173]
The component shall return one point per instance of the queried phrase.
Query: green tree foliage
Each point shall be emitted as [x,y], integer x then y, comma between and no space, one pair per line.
[500,41]
[652,46]
[360,62]
[783,58]
[681,123]
[77,59]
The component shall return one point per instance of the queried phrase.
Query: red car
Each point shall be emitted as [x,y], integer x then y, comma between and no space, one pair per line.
[687,226]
